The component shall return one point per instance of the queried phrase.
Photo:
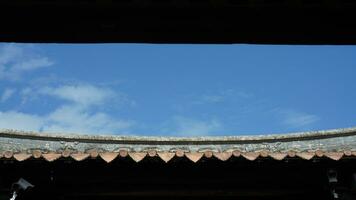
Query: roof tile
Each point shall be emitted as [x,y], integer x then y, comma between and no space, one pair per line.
[22,156]
[108,156]
[250,155]
[223,156]
[79,156]
[51,156]
[332,144]
[278,156]
[194,156]
[166,156]
[306,155]
[137,156]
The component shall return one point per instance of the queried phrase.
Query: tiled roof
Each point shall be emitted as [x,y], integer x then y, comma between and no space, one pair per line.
[333,144]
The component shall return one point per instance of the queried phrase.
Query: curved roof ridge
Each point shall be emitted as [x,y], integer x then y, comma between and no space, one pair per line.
[334,144]
[308,135]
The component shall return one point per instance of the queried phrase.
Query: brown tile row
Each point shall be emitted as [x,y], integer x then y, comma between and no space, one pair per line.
[167,156]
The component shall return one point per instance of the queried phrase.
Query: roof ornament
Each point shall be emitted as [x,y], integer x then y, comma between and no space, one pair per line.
[19,187]
[332,177]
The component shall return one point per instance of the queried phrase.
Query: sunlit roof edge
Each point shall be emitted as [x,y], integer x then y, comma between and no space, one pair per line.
[320,134]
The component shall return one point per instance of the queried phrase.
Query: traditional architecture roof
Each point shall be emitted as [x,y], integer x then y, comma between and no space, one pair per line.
[333,144]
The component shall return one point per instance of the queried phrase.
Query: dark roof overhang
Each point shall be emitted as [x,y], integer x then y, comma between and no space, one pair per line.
[179,21]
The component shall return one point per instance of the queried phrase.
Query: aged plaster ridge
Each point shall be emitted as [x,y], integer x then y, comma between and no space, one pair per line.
[333,144]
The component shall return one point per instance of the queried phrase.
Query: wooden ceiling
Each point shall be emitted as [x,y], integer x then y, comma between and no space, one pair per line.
[179,21]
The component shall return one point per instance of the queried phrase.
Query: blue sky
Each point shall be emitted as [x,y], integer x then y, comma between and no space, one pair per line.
[176,90]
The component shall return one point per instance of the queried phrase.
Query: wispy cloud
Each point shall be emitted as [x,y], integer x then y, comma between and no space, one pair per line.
[75,114]
[296,119]
[79,106]
[184,126]
[71,118]
[222,96]
[85,95]
[9,52]
[8,92]
[212,98]
[15,60]
[21,121]
[30,64]
[66,119]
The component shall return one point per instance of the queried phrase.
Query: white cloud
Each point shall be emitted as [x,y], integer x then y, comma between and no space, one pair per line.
[20,121]
[31,64]
[76,114]
[27,94]
[72,118]
[17,59]
[85,95]
[192,127]
[222,96]
[296,119]
[79,110]
[212,98]
[8,92]
[9,52]
[66,119]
